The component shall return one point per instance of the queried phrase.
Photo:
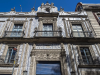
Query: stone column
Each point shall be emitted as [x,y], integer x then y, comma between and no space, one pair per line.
[97,49]
[25,27]
[30,27]
[25,57]
[63,57]
[90,27]
[33,65]
[6,26]
[33,61]
[40,27]
[5,50]
[12,25]
[21,58]
[65,27]
[0,46]
[55,26]
[71,59]
[3,30]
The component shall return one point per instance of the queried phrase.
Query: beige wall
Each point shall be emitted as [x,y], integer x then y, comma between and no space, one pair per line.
[94,23]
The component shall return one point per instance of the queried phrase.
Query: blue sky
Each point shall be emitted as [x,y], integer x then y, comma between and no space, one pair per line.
[68,5]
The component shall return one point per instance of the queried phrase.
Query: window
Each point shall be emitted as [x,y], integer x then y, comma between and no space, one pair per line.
[10,55]
[77,30]
[48,68]
[17,30]
[86,56]
[48,30]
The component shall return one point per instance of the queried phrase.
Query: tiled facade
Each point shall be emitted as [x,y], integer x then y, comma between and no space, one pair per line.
[49,35]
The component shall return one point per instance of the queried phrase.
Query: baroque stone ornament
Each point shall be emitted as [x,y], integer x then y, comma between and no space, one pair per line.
[47,54]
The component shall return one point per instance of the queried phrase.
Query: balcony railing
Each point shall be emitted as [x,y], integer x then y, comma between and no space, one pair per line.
[8,60]
[82,34]
[95,61]
[48,33]
[14,34]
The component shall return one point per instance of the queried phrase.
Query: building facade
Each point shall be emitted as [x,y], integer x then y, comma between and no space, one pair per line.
[49,42]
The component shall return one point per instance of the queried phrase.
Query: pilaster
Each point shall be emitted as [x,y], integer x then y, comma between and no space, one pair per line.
[30,27]
[65,27]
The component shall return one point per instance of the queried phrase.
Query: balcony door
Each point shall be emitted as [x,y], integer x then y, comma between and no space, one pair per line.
[78,31]
[17,30]
[10,55]
[47,30]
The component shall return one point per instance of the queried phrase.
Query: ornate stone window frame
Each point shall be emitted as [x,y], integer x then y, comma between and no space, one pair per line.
[5,52]
[46,20]
[19,22]
[48,55]
[77,22]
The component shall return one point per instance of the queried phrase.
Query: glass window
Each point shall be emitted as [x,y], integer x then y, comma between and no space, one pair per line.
[17,27]
[10,55]
[48,30]
[17,30]
[86,55]
[48,68]
[77,30]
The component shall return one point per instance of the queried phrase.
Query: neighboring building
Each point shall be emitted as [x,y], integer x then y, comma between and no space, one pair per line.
[48,42]
[93,12]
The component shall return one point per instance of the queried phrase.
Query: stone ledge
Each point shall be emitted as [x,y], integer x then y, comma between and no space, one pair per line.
[8,65]
[88,66]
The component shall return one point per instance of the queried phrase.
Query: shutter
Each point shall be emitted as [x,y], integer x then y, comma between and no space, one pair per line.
[48,68]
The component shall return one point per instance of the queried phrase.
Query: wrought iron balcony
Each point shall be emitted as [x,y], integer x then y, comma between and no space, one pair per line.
[82,34]
[95,61]
[8,60]
[14,34]
[48,33]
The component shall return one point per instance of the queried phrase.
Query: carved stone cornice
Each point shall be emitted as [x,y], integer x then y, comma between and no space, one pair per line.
[47,54]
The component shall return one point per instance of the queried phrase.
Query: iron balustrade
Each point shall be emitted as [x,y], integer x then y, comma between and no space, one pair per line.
[48,33]
[95,61]
[82,34]
[14,34]
[8,60]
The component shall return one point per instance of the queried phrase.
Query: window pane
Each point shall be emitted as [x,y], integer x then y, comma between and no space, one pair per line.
[17,27]
[86,55]
[48,68]
[77,30]
[47,28]
[10,55]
